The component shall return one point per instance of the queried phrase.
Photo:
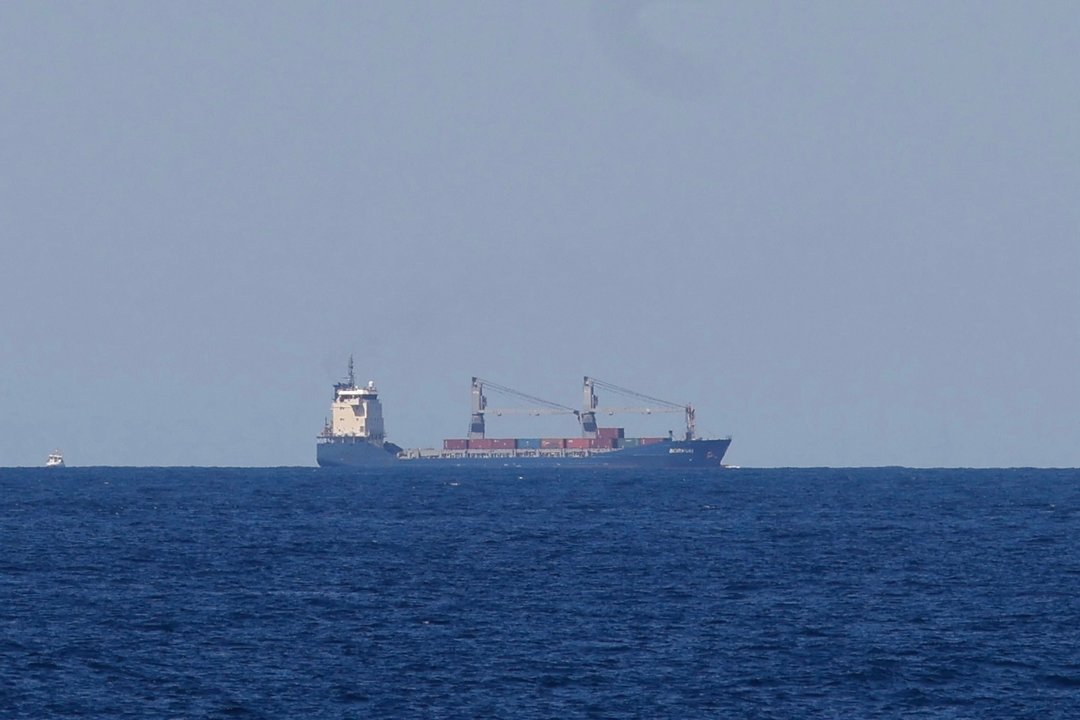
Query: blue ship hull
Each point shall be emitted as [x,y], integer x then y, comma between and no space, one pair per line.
[354,452]
[668,454]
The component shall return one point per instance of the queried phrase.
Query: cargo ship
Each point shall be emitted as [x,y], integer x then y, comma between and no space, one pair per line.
[355,435]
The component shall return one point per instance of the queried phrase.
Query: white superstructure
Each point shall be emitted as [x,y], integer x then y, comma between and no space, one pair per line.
[356,412]
[55,459]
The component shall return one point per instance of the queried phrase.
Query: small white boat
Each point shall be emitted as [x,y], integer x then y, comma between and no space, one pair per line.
[55,459]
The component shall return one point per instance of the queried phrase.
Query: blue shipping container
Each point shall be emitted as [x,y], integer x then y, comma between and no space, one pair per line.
[528,443]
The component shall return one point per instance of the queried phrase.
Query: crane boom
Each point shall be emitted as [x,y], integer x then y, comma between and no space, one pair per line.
[588,416]
[477,425]
[626,392]
[641,410]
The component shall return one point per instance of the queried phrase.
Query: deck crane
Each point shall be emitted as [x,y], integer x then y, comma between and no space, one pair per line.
[588,415]
[479,406]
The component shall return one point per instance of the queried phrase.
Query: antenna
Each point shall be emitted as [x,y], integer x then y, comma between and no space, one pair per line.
[352,377]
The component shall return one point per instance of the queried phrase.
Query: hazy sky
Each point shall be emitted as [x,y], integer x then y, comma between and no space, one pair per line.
[848,232]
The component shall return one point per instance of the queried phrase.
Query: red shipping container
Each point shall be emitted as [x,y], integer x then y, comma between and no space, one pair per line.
[455,444]
[610,432]
[604,442]
[481,444]
[502,444]
[652,441]
[579,443]
[552,443]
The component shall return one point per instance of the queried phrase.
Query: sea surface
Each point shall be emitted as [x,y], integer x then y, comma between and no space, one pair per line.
[451,593]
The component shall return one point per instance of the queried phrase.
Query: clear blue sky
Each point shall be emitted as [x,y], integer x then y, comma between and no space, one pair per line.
[848,232]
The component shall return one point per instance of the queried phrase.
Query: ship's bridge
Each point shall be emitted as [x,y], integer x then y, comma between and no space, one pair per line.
[357,412]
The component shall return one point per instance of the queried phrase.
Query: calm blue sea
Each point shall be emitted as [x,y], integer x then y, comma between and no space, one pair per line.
[303,593]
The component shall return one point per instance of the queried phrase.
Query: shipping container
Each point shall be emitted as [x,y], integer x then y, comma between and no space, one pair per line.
[528,443]
[606,443]
[652,440]
[502,443]
[553,443]
[579,443]
[455,444]
[630,442]
[481,444]
[610,432]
